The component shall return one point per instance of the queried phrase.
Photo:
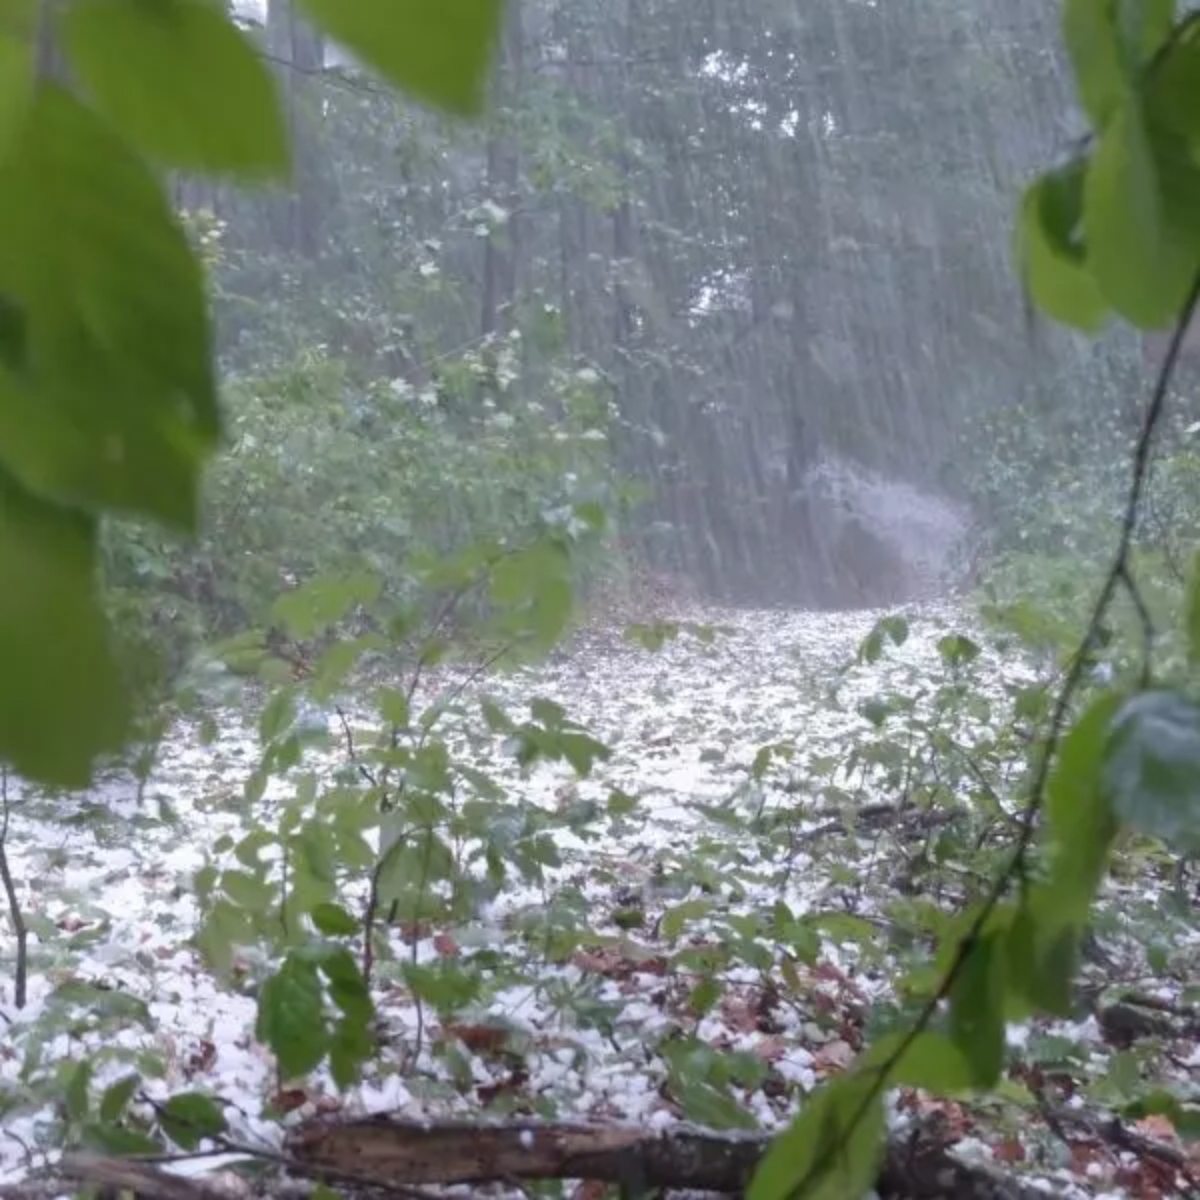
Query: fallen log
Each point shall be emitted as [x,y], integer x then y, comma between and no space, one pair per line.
[113,1176]
[392,1151]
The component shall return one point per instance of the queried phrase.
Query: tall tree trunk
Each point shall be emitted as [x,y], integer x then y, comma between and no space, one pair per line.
[297,52]
[501,253]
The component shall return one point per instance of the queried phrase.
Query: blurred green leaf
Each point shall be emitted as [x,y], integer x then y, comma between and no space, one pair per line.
[1107,44]
[113,1139]
[114,403]
[64,702]
[291,1017]
[831,1151]
[437,50]
[190,1117]
[77,1098]
[250,891]
[930,1061]
[116,1097]
[1142,264]
[181,82]
[1044,937]
[977,1026]
[1152,768]
[1052,253]
[334,921]
[320,603]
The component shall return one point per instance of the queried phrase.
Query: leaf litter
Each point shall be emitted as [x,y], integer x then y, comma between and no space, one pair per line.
[730,941]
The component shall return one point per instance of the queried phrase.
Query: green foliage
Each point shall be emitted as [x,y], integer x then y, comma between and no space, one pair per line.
[440,53]
[977,1008]
[150,70]
[190,1117]
[107,397]
[108,405]
[1054,260]
[831,1150]
[63,703]
[372,457]
[1115,228]
[447,835]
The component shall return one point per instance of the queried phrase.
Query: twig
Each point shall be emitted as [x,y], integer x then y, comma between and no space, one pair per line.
[15,915]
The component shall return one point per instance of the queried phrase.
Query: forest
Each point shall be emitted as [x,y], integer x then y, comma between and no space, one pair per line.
[599,599]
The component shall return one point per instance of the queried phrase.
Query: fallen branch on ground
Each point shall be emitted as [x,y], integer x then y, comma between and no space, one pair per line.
[389,1151]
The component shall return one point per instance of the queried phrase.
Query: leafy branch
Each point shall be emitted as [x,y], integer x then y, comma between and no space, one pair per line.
[831,1140]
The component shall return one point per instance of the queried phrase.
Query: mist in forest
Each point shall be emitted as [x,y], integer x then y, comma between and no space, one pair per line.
[765,252]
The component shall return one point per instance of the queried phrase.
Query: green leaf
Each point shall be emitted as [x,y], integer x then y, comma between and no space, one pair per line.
[582,752]
[76,1098]
[114,403]
[112,1139]
[291,1017]
[1051,249]
[393,707]
[534,592]
[347,987]
[437,50]
[957,649]
[1043,956]
[350,1047]
[248,890]
[711,1106]
[674,920]
[652,636]
[977,1024]
[226,928]
[63,702]
[334,921]
[317,605]
[1172,91]
[278,716]
[1141,263]
[930,1061]
[318,850]
[247,851]
[831,1151]
[181,82]
[190,1117]
[1152,768]
[445,985]
[1043,940]
[1107,43]
[703,998]
[117,1096]
[893,629]
[1080,825]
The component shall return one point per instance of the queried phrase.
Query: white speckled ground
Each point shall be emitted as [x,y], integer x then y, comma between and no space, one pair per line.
[684,725]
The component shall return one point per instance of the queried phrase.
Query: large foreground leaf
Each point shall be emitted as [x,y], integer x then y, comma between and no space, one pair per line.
[832,1150]
[438,50]
[1052,253]
[110,400]
[1141,258]
[181,81]
[61,700]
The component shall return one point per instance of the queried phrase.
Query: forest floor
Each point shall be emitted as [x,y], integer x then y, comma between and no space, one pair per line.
[721,941]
